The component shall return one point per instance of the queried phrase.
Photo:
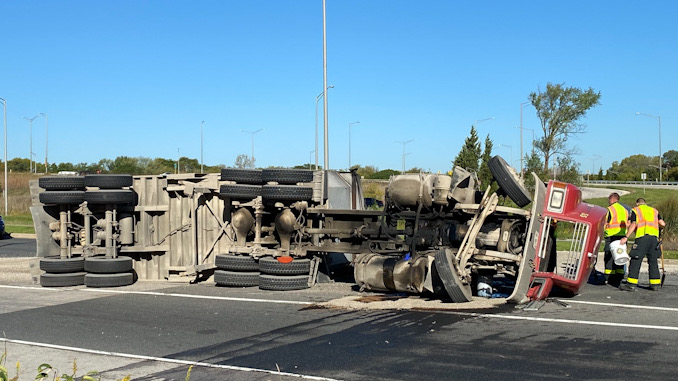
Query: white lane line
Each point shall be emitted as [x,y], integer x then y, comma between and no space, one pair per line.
[228,298]
[621,305]
[164,359]
[151,293]
[31,288]
[566,321]
[511,317]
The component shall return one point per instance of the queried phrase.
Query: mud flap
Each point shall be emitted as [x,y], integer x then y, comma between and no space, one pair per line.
[447,266]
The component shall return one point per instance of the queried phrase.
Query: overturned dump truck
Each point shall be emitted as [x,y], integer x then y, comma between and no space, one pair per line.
[286,229]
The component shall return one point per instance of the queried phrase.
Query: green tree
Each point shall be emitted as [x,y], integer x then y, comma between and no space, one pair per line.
[567,170]
[160,165]
[125,164]
[18,165]
[484,174]
[559,109]
[385,174]
[670,159]
[631,167]
[469,155]
[189,165]
[243,161]
[367,171]
[534,164]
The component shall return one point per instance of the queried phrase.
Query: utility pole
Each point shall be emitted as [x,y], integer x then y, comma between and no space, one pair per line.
[4,188]
[30,134]
[45,115]
[404,154]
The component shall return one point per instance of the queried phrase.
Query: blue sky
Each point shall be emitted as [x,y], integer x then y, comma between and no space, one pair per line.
[136,78]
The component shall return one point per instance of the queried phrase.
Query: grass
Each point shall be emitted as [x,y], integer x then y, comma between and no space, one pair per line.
[19,223]
[18,217]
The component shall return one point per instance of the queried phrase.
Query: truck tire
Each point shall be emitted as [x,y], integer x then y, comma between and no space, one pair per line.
[62,197]
[272,266]
[103,265]
[109,280]
[509,181]
[62,280]
[287,176]
[108,181]
[240,191]
[456,289]
[62,182]
[245,176]
[286,193]
[58,265]
[283,283]
[110,196]
[236,262]
[236,279]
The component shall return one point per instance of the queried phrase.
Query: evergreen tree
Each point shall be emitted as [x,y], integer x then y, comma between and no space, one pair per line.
[469,155]
[484,174]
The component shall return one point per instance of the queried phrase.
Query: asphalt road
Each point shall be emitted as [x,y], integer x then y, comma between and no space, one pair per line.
[156,330]
[17,248]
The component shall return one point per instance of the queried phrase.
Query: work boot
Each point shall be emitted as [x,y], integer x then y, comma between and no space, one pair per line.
[627,287]
[615,280]
[654,287]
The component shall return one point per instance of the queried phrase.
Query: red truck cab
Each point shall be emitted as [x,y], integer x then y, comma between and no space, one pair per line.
[565,218]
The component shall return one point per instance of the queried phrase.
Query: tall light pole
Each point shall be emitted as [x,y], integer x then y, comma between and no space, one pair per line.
[593,162]
[511,148]
[4,188]
[201,162]
[404,154]
[521,139]
[252,133]
[325,122]
[45,115]
[316,123]
[477,121]
[178,161]
[349,142]
[659,118]
[30,153]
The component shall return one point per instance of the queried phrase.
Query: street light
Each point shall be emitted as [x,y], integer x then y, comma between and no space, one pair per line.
[4,188]
[659,118]
[30,152]
[316,124]
[349,142]
[201,161]
[252,133]
[511,148]
[477,121]
[521,139]
[593,162]
[404,154]
[178,160]
[45,115]
[325,113]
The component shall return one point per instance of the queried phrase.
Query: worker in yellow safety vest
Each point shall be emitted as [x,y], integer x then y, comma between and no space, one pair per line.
[646,222]
[615,230]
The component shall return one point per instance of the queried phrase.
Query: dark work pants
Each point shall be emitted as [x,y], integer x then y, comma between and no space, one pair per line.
[613,273]
[646,245]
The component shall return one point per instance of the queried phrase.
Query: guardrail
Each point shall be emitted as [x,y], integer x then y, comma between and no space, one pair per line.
[631,182]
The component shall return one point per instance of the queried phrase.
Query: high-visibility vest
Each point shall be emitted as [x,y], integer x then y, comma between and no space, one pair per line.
[618,218]
[647,221]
